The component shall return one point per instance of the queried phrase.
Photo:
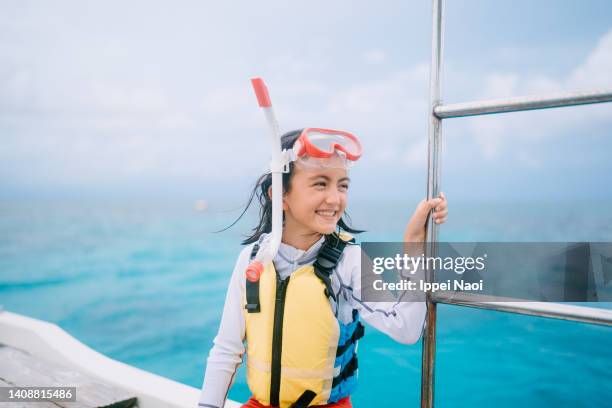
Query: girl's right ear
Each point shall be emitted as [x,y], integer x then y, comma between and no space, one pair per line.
[270,197]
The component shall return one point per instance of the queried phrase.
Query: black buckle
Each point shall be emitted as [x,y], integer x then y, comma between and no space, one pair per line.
[252,307]
[330,256]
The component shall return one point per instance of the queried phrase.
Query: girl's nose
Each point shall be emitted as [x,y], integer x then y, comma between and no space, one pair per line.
[333,197]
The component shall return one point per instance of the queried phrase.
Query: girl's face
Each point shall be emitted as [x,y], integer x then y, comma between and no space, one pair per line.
[316,200]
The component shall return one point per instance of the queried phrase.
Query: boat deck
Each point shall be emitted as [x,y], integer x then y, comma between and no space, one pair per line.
[21,369]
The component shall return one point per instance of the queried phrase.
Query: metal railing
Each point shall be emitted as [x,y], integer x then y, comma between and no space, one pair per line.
[439,111]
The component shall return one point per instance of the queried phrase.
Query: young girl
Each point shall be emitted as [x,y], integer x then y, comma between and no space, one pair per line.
[300,318]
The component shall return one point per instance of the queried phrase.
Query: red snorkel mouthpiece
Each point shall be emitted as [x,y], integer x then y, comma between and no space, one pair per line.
[261,91]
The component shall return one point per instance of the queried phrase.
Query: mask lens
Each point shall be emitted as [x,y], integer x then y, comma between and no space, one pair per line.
[326,142]
[338,161]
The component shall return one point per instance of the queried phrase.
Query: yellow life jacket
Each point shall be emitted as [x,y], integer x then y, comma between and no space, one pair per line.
[298,352]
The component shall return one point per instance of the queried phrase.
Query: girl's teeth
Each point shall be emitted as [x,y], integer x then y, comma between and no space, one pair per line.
[327,213]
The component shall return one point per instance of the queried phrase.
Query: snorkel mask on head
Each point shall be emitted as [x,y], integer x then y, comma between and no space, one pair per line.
[318,148]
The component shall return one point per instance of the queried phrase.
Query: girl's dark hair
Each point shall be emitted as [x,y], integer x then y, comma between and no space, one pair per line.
[261,192]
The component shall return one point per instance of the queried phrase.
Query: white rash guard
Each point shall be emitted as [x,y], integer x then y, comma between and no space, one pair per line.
[402,321]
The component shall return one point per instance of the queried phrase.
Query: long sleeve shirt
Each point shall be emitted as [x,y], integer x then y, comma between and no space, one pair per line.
[402,321]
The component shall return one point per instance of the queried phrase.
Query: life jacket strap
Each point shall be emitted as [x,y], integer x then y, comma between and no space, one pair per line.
[252,289]
[305,399]
[346,372]
[357,334]
[327,259]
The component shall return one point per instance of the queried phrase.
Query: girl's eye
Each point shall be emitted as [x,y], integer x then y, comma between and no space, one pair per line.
[320,183]
[344,187]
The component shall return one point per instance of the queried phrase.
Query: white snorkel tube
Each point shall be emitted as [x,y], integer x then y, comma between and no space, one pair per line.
[278,166]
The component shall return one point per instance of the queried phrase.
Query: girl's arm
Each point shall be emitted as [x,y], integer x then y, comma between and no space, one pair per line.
[226,354]
[402,320]
[415,230]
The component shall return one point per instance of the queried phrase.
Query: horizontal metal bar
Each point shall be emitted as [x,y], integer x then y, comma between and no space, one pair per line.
[487,107]
[543,309]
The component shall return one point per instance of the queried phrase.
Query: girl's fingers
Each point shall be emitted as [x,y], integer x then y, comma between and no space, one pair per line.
[440,214]
[443,203]
[427,205]
[440,207]
[435,202]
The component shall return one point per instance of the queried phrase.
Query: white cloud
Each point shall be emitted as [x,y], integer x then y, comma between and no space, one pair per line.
[416,155]
[228,100]
[375,56]
[500,84]
[112,97]
[497,134]
[595,71]
[385,104]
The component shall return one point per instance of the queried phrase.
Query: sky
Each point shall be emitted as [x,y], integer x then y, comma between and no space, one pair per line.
[153,99]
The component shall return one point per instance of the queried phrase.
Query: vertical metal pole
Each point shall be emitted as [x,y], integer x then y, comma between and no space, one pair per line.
[433,178]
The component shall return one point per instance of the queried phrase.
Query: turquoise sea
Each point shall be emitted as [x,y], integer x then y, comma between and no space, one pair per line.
[144,283]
